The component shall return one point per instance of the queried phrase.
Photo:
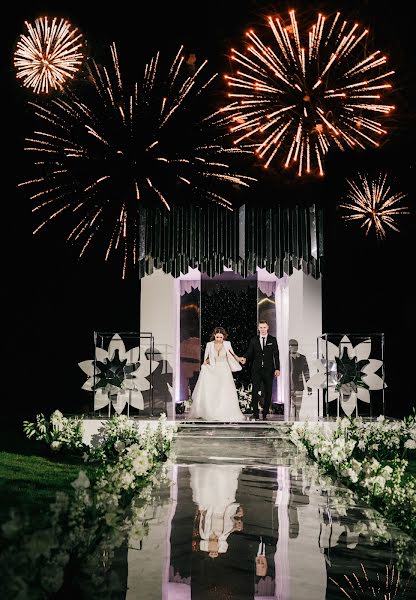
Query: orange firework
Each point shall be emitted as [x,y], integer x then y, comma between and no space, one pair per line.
[300,95]
[50,53]
[387,586]
[374,204]
[103,152]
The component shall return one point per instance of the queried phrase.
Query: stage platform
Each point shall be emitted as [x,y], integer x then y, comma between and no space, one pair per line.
[269,428]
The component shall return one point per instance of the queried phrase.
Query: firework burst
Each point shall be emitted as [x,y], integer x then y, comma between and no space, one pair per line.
[373,203]
[387,586]
[100,159]
[49,55]
[297,97]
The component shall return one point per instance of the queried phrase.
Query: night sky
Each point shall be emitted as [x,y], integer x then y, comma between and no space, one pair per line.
[54,301]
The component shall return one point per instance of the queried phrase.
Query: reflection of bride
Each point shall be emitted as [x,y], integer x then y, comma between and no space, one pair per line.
[213,489]
[215,396]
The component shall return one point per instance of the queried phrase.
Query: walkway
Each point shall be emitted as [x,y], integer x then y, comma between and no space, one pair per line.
[244,517]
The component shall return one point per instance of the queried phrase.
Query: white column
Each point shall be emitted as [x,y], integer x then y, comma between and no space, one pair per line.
[282,335]
[147,562]
[158,316]
[305,325]
[281,556]
[298,300]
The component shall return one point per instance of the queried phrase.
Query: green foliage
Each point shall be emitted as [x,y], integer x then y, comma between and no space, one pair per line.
[381,439]
[70,553]
[244,398]
[29,483]
[59,433]
[371,458]
[119,432]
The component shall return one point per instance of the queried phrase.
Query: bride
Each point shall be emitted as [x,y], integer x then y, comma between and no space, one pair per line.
[215,396]
[218,514]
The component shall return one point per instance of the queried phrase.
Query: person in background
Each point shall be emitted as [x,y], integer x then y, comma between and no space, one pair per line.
[298,374]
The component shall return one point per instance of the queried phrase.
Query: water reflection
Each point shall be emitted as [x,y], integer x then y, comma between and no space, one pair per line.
[225,530]
[218,514]
[280,532]
[216,531]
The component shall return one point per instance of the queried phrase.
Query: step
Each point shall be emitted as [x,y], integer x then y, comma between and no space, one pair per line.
[233,430]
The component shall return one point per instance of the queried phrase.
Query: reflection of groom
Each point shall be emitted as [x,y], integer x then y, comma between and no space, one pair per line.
[263,354]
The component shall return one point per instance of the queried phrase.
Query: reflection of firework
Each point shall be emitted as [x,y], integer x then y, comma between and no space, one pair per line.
[387,586]
[303,95]
[374,204]
[48,55]
[101,158]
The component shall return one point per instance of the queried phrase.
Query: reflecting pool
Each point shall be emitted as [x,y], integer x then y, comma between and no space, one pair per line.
[237,513]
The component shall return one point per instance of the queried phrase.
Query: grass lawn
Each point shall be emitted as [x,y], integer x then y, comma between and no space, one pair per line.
[29,478]
[411,467]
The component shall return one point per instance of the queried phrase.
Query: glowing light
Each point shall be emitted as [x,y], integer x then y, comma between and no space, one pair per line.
[48,55]
[295,98]
[386,586]
[372,202]
[98,159]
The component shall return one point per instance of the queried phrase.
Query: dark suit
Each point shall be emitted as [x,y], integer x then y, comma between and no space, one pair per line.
[298,369]
[263,365]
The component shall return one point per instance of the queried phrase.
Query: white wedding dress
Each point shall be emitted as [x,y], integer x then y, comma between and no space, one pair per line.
[215,396]
[214,488]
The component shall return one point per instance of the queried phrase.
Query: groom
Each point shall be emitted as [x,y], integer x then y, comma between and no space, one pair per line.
[263,355]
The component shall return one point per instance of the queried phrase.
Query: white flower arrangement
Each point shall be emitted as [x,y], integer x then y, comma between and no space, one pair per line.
[368,457]
[340,500]
[188,404]
[384,486]
[89,524]
[244,398]
[59,433]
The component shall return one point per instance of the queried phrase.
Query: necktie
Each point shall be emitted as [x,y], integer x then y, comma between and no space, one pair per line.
[262,343]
